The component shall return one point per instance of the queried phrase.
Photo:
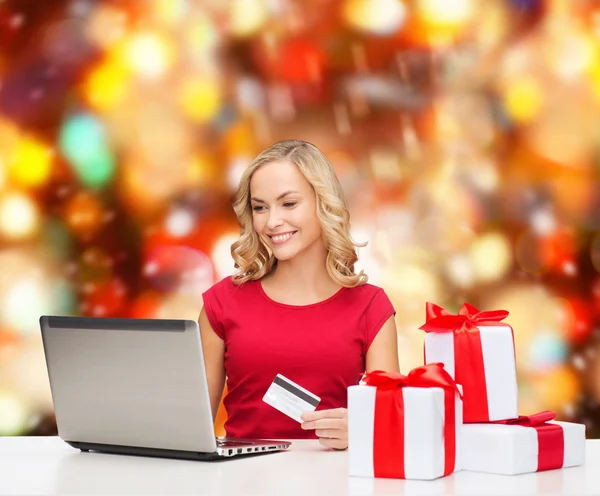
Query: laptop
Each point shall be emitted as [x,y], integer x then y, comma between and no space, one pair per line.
[137,387]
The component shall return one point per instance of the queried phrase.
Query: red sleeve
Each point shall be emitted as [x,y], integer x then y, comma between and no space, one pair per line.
[378,312]
[214,305]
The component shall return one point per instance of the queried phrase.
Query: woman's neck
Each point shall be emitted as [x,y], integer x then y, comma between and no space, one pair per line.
[301,279]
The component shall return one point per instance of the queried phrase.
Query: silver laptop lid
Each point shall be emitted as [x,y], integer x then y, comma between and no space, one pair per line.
[129,382]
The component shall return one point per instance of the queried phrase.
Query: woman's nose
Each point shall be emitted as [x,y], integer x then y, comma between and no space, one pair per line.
[274,220]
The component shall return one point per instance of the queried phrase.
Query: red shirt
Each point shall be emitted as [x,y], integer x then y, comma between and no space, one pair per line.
[322,347]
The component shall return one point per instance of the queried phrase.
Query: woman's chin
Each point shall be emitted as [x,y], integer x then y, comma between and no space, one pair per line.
[283,253]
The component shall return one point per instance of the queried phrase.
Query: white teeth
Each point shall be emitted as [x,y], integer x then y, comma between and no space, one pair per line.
[282,237]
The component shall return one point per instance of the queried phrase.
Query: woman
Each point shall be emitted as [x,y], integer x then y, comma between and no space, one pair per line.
[295,306]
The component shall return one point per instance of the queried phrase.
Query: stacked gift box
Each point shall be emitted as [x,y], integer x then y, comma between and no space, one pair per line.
[459,411]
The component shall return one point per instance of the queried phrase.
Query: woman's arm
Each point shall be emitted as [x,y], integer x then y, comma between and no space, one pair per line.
[213,349]
[383,352]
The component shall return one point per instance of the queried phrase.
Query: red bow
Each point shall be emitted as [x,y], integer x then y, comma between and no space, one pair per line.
[530,420]
[430,375]
[388,434]
[551,440]
[468,317]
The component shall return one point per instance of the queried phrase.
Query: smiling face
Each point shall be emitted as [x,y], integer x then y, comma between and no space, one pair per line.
[284,210]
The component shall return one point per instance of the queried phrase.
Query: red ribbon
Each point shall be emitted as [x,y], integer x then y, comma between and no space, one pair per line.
[551,438]
[388,441]
[468,355]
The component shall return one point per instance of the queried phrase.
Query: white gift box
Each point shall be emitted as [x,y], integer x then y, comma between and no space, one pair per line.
[500,373]
[424,455]
[513,449]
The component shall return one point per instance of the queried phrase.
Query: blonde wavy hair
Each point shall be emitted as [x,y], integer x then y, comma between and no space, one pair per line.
[254,259]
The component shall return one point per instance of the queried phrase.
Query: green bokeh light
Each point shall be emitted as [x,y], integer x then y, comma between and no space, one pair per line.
[83,142]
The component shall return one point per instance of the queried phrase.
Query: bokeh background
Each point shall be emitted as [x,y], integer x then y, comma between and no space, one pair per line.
[466,135]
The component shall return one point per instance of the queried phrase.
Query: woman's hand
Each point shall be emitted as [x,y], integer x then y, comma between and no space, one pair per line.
[331,427]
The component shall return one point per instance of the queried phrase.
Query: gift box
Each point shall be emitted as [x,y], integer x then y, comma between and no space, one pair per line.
[478,351]
[527,444]
[405,427]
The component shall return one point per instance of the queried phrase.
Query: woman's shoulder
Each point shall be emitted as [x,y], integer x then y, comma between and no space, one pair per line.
[366,290]
[227,286]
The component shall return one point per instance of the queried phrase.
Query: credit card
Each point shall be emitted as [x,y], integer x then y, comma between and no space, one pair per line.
[290,398]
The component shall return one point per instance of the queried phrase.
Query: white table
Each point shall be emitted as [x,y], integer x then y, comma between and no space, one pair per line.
[46,465]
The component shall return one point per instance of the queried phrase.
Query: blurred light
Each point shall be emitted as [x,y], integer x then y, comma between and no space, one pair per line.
[105,299]
[445,11]
[368,259]
[529,253]
[31,285]
[247,17]
[30,163]
[201,40]
[106,86]
[202,170]
[149,54]
[13,415]
[3,174]
[84,214]
[236,170]
[571,54]
[533,311]
[80,8]
[281,102]
[201,99]
[95,265]
[492,26]
[567,134]
[65,41]
[485,176]
[170,12]
[543,222]
[9,343]
[144,189]
[239,140]
[221,255]
[24,296]
[491,256]
[164,139]
[250,95]
[9,134]
[595,251]
[106,25]
[594,82]
[346,170]
[180,223]
[411,282]
[460,271]
[569,268]
[145,306]
[557,387]
[83,142]
[56,238]
[578,320]
[546,352]
[19,216]
[593,372]
[180,306]
[386,165]
[523,99]
[383,17]
[27,374]
[178,269]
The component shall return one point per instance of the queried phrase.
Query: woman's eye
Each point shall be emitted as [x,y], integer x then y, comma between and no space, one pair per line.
[257,208]
[289,204]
